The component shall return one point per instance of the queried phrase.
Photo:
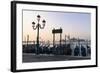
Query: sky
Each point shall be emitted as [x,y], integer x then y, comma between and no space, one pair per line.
[76,25]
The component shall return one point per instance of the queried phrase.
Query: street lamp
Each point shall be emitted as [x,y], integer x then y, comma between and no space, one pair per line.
[38,26]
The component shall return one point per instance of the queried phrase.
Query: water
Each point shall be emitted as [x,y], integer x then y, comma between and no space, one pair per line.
[73,43]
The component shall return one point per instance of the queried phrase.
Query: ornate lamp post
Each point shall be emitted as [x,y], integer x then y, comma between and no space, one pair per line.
[38,26]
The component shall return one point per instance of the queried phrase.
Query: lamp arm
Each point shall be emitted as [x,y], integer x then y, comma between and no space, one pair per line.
[42,27]
[34,27]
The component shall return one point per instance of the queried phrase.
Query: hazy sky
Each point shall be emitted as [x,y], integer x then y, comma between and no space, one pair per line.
[75,24]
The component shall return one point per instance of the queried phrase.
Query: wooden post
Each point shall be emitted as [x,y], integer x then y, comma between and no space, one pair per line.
[27,39]
[53,39]
[65,39]
[60,38]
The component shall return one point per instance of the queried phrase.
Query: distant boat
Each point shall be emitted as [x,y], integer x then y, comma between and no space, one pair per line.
[76,51]
[83,51]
